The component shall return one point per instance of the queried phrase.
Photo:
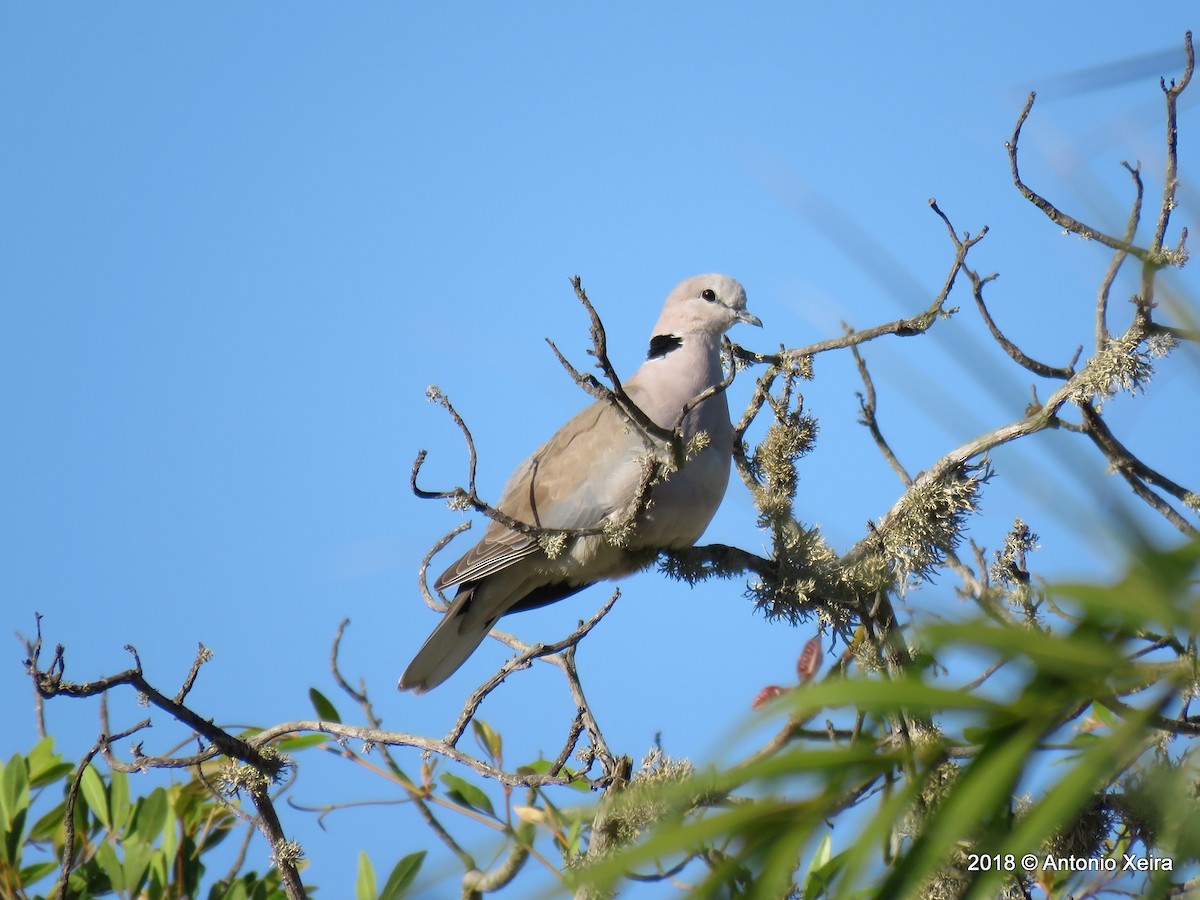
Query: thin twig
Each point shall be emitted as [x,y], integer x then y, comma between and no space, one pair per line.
[68,854]
[526,655]
[1135,472]
[1171,168]
[1057,216]
[423,572]
[866,402]
[1119,256]
[203,655]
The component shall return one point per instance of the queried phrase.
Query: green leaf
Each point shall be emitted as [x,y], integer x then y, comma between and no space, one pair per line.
[402,877]
[94,793]
[300,742]
[51,775]
[883,696]
[821,878]
[325,710]
[364,885]
[814,885]
[14,788]
[106,857]
[49,825]
[573,838]
[1153,594]
[137,859]
[488,739]
[216,833]
[118,800]
[542,766]
[977,802]
[14,836]
[46,766]
[149,817]
[1072,656]
[169,828]
[466,794]
[1092,771]
[36,872]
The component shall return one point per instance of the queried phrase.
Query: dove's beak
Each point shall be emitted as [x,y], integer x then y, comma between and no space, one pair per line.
[748,317]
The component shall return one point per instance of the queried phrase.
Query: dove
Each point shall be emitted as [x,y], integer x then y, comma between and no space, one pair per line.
[588,475]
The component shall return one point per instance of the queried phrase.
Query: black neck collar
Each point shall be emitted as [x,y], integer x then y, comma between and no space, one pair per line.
[662,344]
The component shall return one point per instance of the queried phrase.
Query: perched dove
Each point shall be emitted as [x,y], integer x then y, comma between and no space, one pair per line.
[588,474]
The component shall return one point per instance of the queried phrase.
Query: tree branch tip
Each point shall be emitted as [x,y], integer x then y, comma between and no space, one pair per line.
[137,660]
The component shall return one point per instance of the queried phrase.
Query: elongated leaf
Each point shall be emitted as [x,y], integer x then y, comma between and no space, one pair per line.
[170,827]
[46,827]
[1130,609]
[1071,656]
[823,870]
[976,802]
[882,696]
[49,776]
[402,877]
[148,818]
[14,788]
[820,856]
[463,792]
[364,883]
[118,800]
[133,867]
[542,766]
[488,739]
[106,857]
[810,660]
[326,711]
[14,836]
[94,792]
[46,766]
[36,872]
[300,742]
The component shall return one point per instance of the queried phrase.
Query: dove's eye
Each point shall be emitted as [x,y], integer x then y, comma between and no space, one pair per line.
[709,294]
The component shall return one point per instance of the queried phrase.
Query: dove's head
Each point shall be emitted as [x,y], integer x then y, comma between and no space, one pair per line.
[706,304]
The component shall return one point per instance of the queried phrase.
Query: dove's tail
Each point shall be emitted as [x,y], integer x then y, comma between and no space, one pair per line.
[454,639]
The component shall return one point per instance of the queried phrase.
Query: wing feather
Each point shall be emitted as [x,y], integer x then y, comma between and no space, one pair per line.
[577,478]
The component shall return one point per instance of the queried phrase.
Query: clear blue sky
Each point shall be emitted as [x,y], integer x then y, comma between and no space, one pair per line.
[238,241]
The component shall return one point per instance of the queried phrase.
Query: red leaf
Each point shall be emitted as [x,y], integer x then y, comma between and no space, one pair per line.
[767,694]
[810,660]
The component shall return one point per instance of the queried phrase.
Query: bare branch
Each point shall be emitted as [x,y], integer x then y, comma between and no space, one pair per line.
[50,683]
[1135,472]
[866,403]
[203,655]
[423,572]
[615,395]
[416,794]
[906,327]
[1074,226]
[68,853]
[1171,168]
[1135,216]
[526,655]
